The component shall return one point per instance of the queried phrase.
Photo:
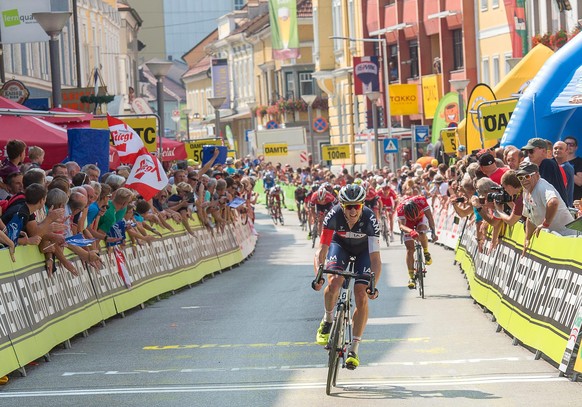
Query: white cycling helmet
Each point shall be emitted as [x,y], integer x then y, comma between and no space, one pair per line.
[352,194]
[321,192]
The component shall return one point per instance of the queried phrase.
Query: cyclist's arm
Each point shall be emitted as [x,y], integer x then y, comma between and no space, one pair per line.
[320,256]
[428,214]
[376,265]
[403,228]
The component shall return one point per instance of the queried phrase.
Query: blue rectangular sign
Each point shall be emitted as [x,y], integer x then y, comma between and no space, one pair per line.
[421,133]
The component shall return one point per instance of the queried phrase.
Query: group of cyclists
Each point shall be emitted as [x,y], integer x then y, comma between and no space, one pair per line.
[346,221]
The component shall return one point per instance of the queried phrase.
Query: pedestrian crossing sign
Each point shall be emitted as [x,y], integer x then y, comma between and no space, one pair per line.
[390,145]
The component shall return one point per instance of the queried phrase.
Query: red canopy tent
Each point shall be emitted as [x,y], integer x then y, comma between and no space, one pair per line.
[83,120]
[34,132]
[172,149]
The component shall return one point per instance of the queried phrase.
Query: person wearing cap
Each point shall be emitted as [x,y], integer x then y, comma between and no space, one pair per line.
[537,151]
[488,166]
[461,152]
[542,205]
[230,166]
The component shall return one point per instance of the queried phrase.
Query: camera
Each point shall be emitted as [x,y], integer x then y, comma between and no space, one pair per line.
[501,196]
[460,199]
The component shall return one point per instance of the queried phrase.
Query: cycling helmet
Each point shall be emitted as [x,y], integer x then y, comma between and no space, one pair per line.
[321,192]
[352,194]
[277,188]
[357,181]
[314,187]
[365,185]
[327,186]
[411,210]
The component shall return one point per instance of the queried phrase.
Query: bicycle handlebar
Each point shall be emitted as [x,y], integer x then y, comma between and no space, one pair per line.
[319,277]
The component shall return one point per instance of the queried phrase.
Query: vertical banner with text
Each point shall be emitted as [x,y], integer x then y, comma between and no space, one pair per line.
[220,81]
[284,32]
[366,77]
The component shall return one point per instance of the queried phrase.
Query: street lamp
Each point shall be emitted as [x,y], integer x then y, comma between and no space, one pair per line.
[216,103]
[373,97]
[309,99]
[187,114]
[382,41]
[159,68]
[52,23]
[459,86]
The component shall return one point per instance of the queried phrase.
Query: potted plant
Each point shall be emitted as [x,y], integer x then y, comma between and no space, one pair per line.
[541,39]
[558,39]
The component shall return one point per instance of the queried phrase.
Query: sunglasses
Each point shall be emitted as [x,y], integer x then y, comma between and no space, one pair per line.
[349,207]
[526,176]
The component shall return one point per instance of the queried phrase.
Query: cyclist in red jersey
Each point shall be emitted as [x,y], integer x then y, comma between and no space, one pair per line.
[323,201]
[388,199]
[372,200]
[414,219]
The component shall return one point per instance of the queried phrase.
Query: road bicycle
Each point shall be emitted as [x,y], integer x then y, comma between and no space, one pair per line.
[340,337]
[385,231]
[419,267]
[276,213]
[303,216]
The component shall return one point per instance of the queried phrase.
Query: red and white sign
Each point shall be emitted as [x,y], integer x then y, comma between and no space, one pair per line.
[15,91]
[147,176]
[140,106]
[303,156]
[127,142]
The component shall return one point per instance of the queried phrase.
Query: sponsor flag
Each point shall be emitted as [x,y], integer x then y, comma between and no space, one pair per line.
[284,34]
[473,129]
[366,78]
[121,267]
[147,176]
[126,141]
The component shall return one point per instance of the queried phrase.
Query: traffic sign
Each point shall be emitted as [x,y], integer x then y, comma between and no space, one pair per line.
[320,125]
[421,133]
[336,152]
[303,156]
[272,124]
[390,145]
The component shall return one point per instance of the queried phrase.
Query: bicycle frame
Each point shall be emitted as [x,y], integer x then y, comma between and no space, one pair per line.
[419,267]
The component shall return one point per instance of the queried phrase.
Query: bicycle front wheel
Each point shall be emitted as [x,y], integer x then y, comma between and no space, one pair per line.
[420,273]
[336,346]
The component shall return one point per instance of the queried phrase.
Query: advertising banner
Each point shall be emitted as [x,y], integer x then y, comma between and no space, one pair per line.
[146,128]
[446,114]
[473,129]
[366,78]
[494,118]
[18,25]
[403,100]
[284,32]
[220,81]
[431,93]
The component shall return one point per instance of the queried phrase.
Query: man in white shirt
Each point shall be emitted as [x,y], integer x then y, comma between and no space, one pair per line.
[542,205]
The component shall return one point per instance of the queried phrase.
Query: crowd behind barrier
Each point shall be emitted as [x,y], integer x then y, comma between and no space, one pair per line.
[536,297]
[37,313]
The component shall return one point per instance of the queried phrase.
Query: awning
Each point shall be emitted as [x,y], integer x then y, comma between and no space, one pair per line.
[172,149]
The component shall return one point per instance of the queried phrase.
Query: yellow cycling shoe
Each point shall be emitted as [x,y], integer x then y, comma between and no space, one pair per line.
[427,258]
[352,361]
[322,336]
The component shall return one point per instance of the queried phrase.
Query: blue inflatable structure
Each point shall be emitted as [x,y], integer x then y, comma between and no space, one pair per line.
[549,106]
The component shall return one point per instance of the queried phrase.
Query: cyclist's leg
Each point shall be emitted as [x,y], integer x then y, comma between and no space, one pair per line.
[409,243]
[360,317]
[423,237]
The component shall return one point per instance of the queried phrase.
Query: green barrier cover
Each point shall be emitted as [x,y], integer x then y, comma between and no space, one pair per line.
[533,297]
[37,312]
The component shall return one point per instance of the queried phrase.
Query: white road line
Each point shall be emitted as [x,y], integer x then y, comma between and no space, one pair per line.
[287,386]
[293,367]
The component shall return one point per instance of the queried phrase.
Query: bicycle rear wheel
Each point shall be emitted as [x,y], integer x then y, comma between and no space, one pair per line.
[336,346]
[385,233]
[314,235]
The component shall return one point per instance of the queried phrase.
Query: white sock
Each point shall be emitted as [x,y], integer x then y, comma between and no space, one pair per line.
[328,316]
[355,344]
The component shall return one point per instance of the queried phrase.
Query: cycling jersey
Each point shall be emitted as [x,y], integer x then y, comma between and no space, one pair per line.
[422,206]
[300,194]
[389,199]
[268,183]
[363,237]
[323,205]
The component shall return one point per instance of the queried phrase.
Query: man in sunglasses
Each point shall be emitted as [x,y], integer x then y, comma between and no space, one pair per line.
[537,151]
[349,229]
[542,205]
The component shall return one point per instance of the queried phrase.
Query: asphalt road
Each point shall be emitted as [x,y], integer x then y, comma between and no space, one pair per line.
[246,338]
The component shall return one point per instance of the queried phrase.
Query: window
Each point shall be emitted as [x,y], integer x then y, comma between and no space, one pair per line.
[507,57]
[290,85]
[484,4]
[458,62]
[393,63]
[305,84]
[494,3]
[413,49]
[239,4]
[336,13]
[485,77]
[496,73]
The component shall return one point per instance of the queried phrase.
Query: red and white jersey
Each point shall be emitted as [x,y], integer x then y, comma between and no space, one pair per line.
[327,199]
[388,197]
[370,194]
[420,202]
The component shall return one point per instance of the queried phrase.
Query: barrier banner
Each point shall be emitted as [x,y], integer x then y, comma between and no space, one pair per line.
[38,312]
[534,297]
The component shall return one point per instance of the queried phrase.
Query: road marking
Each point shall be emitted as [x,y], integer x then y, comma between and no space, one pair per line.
[280,344]
[291,367]
[456,381]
